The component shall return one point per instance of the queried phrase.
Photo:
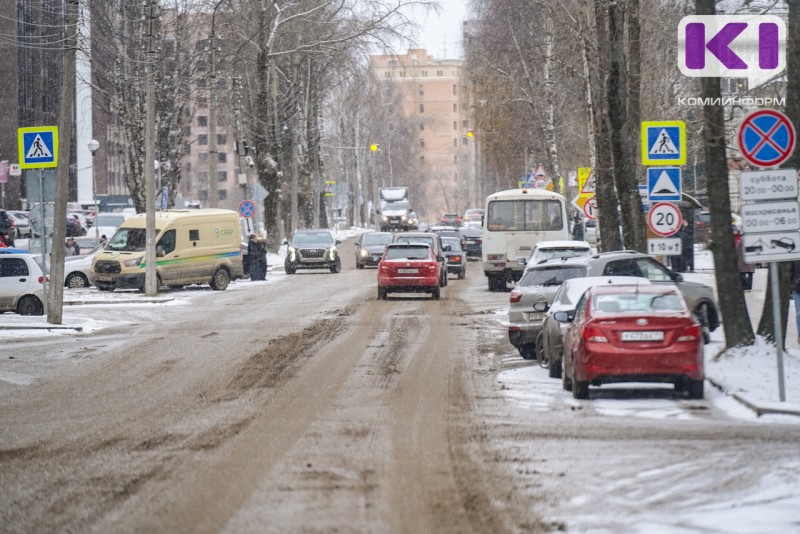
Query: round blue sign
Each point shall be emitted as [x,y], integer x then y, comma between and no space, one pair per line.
[766,138]
[247,208]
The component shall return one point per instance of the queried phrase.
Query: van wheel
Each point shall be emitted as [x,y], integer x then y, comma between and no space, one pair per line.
[30,305]
[220,280]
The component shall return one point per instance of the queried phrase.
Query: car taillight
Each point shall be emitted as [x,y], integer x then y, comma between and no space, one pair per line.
[494,257]
[690,333]
[432,266]
[43,278]
[515,296]
[594,334]
[384,267]
[457,259]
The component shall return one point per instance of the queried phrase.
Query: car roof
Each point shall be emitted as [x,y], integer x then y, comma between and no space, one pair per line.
[13,250]
[563,244]
[559,261]
[608,289]
[408,245]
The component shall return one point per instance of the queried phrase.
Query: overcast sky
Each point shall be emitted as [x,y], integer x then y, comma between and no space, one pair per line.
[441,34]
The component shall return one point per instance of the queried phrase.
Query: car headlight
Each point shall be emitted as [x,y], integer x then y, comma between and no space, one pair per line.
[364,253]
[132,263]
[385,218]
[405,217]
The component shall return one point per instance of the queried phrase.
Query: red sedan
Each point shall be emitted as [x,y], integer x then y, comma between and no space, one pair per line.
[632,334]
[408,268]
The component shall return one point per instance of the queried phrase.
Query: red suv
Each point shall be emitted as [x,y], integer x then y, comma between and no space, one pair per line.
[408,267]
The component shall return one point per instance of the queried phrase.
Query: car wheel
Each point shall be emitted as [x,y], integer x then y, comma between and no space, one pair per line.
[76,280]
[580,390]
[220,279]
[702,317]
[437,293]
[359,265]
[336,268]
[30,305]
[541,356]
[494,283]
[381,293]
[528,351]
[566,383]
[554,370]
[105,287]
[462,273]
[695,389]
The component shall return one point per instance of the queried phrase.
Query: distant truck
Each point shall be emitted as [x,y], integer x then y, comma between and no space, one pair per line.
[396,213]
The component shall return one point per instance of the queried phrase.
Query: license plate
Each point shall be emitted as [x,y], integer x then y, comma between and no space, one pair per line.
[643,336]
[408,271]
[535,316]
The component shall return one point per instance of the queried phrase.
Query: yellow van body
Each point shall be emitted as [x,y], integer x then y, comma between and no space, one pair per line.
[194,246]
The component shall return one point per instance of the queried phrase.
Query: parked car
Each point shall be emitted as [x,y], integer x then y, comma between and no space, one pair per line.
[78,269]
[409,267]
[21,223]
[369,248]
[473,240]
[544,250]
[550,343]
[699,297]
[455,258]
[21,284]
[431,239]
[474,215]
[632,333]
[531,297]
[312,249]
[450,219]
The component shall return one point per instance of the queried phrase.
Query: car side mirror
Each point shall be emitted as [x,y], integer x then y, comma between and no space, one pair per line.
[285,242]
[563,317]
[540,306]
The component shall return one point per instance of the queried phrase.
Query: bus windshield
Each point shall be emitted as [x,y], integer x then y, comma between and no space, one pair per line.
[527,215]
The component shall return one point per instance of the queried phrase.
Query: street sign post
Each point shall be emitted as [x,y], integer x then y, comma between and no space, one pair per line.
[663,143]
[664,219]
[666,246]
[664,184]
[247,208]
[590,208]
[766,138]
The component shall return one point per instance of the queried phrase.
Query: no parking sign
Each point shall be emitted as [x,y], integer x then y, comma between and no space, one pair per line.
[766,138]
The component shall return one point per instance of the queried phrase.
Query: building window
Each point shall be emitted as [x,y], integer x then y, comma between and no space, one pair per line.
[201,83]
[455,158]
[465,141]
[421,90]
[202,102]
[422,143]
[387,74]
[455,143]
[424,73]
[421,159]
[455,125]
[439,73]
[422,108]
[421,126]
[202,120]
[222,139]
[223,194]
[455,108]
[202,177]
[465,124]
[402,74]
[202,139]
[222,176]
[202,157]
[222,157]
[455,89]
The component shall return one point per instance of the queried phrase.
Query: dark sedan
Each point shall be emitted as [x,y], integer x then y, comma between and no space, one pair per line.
[370,247]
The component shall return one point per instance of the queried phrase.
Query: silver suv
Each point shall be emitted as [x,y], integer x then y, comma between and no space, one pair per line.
[312,249]
[699,297]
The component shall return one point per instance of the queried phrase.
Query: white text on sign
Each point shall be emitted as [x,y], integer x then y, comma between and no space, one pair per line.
[665,247]
[768,185]
[770,217]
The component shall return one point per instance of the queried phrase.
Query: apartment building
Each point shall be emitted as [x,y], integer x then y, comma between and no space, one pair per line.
[434,97]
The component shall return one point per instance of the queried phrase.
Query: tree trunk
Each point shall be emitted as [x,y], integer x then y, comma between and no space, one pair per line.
[608,216]
[624,167]
[766,324]
[738,330]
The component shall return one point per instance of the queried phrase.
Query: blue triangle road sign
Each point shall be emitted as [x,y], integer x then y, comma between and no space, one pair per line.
[664,184]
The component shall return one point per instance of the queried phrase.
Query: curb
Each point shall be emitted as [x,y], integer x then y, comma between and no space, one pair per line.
[41,327]
[758,410]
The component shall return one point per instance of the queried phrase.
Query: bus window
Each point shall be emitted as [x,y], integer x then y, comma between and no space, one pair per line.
[525,216]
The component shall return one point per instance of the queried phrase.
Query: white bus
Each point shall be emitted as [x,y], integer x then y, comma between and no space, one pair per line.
[514,221]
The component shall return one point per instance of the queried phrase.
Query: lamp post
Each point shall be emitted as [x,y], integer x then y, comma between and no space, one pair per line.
[94,146]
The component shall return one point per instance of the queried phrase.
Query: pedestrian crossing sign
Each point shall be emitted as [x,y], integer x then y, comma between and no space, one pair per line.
[663,143]
[38,147]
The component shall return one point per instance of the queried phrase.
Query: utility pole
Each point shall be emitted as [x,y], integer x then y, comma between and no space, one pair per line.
[65,122]
[213,185]
[150,275]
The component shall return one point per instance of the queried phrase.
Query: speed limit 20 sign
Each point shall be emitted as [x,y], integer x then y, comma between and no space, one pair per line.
[664,219]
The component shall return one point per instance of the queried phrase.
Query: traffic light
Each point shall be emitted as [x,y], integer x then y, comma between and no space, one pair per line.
[470,133]
[375,147]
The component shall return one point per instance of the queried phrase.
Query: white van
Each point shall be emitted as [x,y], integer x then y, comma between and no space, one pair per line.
[193,246]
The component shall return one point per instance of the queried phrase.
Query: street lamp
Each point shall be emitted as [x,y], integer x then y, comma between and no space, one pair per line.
[94,146]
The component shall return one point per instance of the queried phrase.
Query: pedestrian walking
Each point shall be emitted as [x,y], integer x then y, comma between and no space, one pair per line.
[577,227]
[69,247]
[257,256]
[746,270]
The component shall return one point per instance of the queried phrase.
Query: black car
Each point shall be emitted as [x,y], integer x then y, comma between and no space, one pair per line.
[312,249]
[369,248]
[473,240]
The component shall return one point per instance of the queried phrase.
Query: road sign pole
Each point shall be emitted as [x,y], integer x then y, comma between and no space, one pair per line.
[776,320]
[43,239]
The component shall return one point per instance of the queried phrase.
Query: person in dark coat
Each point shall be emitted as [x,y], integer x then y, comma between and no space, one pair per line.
[577,227]
[257,257]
